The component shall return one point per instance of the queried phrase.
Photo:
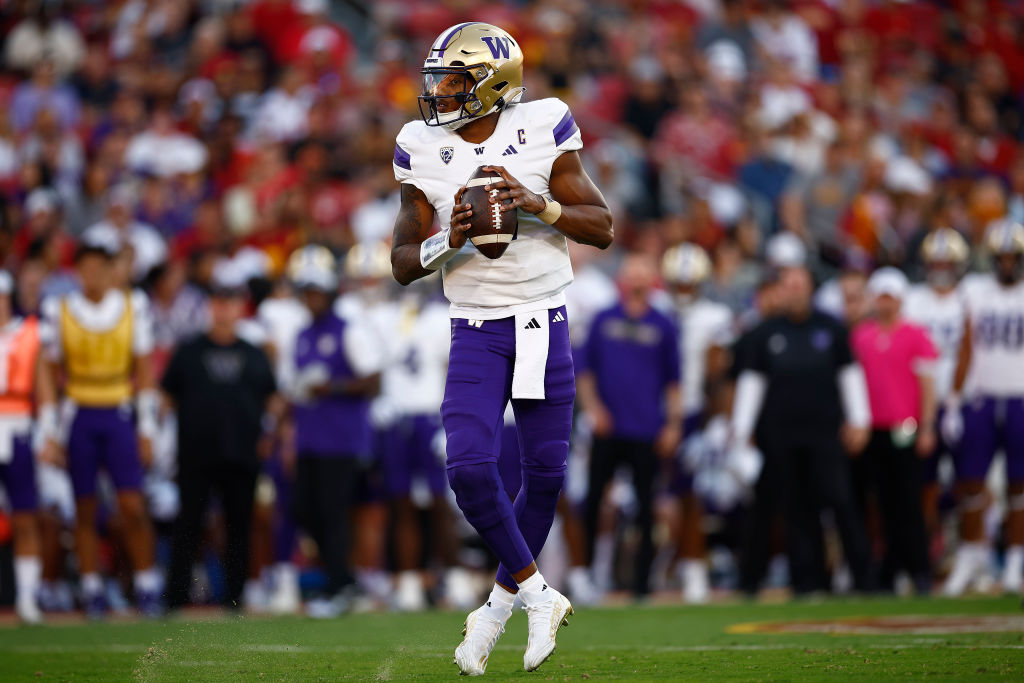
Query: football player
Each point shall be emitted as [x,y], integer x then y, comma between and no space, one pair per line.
[937,305]
[705,334]
[101,338]
[19,359]
[990,378]
[509,329]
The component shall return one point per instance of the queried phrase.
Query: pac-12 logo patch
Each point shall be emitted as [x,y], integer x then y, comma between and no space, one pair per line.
[447,153]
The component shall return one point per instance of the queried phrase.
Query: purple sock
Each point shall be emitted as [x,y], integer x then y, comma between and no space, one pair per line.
[482,498]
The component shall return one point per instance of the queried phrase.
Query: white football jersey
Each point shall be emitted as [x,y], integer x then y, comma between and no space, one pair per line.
[591,292]
[535,269]
[414,380]
[996,316]
[702,325]
[283,318]
[943,316]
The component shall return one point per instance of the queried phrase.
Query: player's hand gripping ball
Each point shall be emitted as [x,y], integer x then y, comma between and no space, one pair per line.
[493,221]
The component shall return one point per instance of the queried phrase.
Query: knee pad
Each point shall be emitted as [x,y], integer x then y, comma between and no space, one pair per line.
[480,494]
[542,488]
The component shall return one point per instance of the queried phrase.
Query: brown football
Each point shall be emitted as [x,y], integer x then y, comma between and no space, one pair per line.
[490,229]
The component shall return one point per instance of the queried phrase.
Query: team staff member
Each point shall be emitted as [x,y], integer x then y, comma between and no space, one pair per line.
[630,390]
[221,387]
[898,360]
[337,372]
[800,369]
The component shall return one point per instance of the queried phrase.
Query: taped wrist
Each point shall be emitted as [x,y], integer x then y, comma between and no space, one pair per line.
[435,251]
[147,410]
[552,211]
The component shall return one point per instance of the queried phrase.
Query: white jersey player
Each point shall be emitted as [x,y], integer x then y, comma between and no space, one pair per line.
[509,328]
[938,305]
[990,376]
[706,331]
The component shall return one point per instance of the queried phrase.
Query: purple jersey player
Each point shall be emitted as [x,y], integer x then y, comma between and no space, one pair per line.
[509,329]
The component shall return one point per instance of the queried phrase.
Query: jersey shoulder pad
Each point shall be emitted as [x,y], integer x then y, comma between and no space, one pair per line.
[410,140]
[551,116]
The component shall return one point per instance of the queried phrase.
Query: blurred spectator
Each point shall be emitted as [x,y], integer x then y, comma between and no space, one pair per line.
[42,36]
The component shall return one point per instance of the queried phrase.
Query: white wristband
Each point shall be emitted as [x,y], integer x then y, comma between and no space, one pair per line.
[147,410]
[552,211]
[435,251]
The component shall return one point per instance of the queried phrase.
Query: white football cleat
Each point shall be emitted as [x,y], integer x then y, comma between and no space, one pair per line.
[481,632]
[696,585]
[544,620]
[409,593]
[1013,570]
[969,566]
[460,588]
[28,610]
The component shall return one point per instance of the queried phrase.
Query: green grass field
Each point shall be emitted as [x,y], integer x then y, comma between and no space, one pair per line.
[642,643]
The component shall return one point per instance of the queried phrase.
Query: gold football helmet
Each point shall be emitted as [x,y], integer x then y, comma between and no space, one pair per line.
[472,70]
[313,267]
[685,264]
[1005,237]
[368,261]
[945,245]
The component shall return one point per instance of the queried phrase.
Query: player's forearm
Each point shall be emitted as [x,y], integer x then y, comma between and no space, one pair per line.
[963,361]
[926,381]
[673,404]
[586,389]
[412,226]
[405,264]
[359,386]
[591,225]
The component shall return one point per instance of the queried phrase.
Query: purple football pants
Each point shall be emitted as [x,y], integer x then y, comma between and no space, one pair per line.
[478,388]
[991,424]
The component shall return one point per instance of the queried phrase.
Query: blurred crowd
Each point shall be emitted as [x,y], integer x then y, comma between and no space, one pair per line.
[196,145]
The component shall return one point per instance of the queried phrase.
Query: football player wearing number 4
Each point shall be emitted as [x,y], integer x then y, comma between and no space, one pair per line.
[990,377]
[509,332]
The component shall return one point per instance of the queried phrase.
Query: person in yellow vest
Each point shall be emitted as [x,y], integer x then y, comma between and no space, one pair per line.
[100,339]
[19,360]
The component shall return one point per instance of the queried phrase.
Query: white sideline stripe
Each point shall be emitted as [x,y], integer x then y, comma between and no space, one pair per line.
[477,182]
[310,649]
[490,239]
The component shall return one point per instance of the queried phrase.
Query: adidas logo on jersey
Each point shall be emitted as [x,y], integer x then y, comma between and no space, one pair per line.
[532,325]
[559,318]
[509,150]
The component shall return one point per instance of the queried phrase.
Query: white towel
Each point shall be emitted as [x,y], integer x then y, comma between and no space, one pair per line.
[531,355]
[10,427]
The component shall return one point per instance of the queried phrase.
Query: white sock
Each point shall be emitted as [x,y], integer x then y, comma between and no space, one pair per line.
[1015,556]
[92,583]
[28,570]
[535,591]
[499,604]
[147,580]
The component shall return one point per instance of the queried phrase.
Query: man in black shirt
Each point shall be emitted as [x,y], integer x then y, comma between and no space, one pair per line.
[802,388]
[220,386]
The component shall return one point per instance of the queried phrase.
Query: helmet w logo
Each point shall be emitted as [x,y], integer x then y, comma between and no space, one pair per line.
[498,45]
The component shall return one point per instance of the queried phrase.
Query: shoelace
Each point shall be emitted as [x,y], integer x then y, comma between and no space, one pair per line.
[539,613]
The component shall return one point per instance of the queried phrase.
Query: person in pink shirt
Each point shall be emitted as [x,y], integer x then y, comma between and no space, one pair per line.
[897,357]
